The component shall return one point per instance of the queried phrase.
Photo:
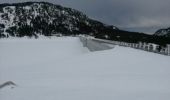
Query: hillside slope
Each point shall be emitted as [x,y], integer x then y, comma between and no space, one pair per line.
[42,18]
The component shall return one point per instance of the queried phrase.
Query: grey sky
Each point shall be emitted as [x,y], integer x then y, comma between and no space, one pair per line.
[134,15]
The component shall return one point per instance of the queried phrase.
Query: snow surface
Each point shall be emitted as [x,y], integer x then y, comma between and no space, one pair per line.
[62,69]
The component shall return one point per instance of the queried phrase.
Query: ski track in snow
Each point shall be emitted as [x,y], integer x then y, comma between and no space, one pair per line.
[62,69]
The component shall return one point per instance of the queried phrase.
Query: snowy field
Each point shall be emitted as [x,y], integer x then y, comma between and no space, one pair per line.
[62,69]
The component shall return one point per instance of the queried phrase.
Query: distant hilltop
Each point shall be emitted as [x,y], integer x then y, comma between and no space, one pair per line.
[163,32]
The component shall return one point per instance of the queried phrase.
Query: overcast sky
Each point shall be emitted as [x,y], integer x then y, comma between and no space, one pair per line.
[134,15]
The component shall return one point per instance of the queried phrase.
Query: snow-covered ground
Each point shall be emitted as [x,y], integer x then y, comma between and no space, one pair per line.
[62,69]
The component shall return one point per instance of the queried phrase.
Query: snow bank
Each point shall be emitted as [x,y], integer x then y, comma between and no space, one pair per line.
[62,69]
[94,45]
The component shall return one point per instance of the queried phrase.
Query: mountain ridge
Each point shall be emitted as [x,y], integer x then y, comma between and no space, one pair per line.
[43,18]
